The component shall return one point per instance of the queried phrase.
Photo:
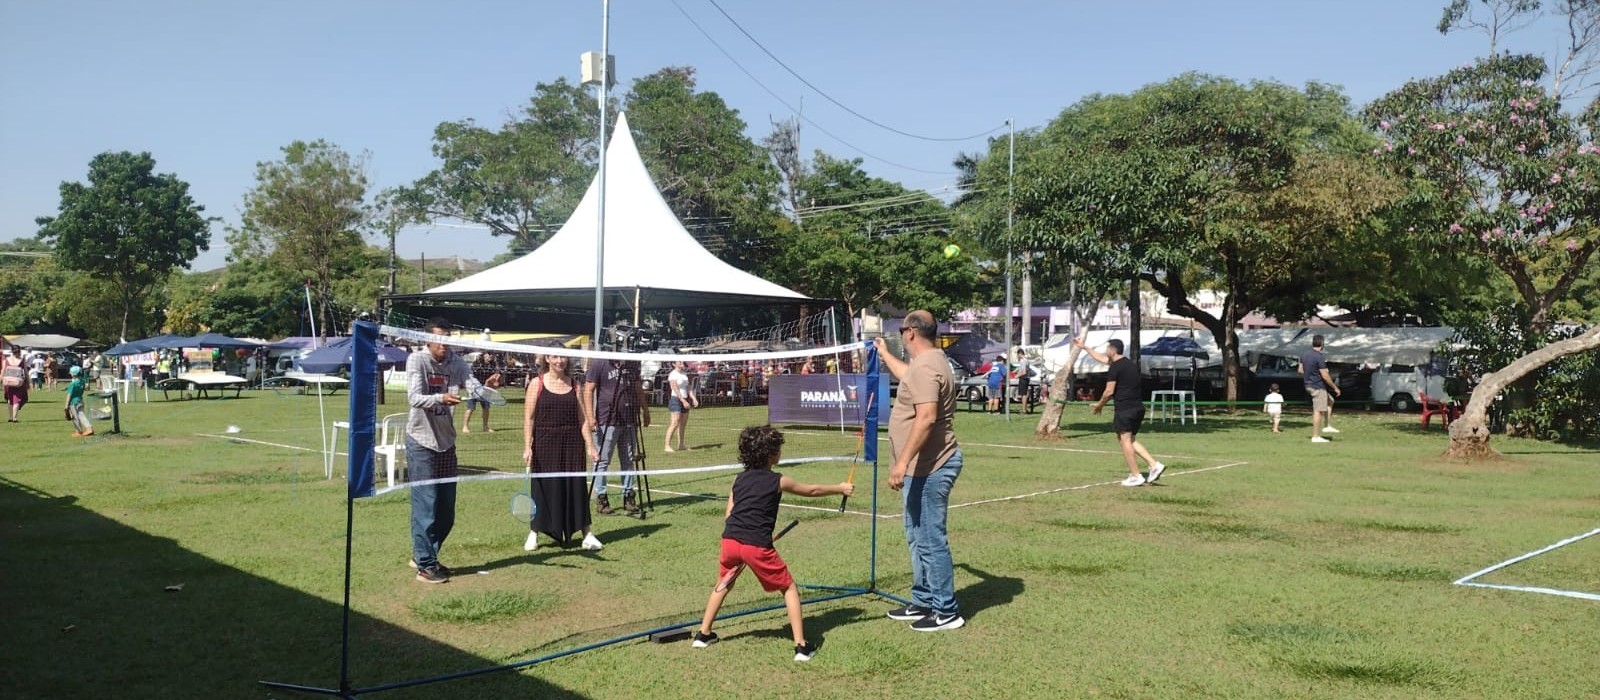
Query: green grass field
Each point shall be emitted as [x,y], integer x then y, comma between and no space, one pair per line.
[1262,566]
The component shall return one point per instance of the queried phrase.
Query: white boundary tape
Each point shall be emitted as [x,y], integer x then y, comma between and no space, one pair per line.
[1088,486]
[1468,579]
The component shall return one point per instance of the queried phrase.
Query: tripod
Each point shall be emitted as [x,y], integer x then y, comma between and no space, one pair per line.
[626,395]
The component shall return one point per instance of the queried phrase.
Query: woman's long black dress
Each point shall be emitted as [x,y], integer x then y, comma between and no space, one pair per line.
[558,446]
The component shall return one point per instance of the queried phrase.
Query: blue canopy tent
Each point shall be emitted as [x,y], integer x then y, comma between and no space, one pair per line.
[218,340]
[133,347]
[164,341]
[329,358]
[1177,346]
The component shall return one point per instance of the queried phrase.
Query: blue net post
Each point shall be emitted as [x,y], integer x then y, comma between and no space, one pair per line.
[869,452]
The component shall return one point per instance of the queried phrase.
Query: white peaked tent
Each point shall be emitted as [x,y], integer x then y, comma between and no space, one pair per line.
[649,256]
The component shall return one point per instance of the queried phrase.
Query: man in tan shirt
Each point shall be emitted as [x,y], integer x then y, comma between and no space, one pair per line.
[927,462]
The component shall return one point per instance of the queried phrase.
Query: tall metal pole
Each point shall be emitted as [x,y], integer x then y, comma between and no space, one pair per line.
[1011,209]
[600,225]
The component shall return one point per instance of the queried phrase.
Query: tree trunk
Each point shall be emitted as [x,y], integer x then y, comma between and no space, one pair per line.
[1134,322]
[1050,418]
[1469,434]
[1228,342]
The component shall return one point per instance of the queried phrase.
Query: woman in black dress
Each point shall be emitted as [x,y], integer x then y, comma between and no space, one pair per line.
[554,441]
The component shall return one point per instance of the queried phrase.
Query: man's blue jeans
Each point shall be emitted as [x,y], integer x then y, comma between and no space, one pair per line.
[927,502]
[433,506]
[609,438]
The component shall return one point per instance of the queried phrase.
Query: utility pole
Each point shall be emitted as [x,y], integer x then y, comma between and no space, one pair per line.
[599,70]
[1011,214]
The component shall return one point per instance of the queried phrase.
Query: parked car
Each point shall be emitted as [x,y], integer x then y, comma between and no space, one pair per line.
[974,386]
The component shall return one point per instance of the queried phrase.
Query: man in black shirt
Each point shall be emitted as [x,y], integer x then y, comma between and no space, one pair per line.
[1122,386]
[616,397]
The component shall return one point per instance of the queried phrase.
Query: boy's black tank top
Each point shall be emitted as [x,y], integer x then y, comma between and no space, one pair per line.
[755,507]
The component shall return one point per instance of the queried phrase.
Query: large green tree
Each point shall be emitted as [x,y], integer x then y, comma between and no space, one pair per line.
[306,215]
[128,227]
[520,180]
[868,242]
[1197,182]
[1494,137]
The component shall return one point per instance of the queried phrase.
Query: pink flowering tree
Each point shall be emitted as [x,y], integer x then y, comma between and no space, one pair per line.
[1522,174]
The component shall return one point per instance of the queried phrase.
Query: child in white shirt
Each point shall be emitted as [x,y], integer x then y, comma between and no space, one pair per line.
[1274,407]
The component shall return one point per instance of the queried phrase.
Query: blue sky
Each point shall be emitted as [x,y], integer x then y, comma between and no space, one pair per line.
[210,88]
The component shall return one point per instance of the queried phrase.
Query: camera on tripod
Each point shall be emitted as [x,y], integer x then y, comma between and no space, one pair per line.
[622,337]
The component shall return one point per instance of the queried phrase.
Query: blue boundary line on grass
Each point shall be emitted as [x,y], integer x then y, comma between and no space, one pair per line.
[1468,579]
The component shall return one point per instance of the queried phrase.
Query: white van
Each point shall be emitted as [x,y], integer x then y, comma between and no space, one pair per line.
[1402,386]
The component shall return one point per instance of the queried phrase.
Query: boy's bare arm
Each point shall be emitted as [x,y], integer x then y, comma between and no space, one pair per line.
[791,486]
[730,505]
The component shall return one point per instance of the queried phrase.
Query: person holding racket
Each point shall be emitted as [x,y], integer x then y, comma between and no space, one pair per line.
[747,533]
[927,461]
[431,375]
[554,440]
[484,370]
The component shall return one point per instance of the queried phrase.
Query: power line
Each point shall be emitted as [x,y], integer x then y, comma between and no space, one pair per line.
[830,98]
[792,108]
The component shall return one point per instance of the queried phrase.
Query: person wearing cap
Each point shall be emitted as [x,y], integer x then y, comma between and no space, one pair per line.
[997,383]
[80,418]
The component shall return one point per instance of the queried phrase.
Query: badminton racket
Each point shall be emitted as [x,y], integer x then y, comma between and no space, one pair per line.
[523,507]
[727,580]
[484,393]
[861,440]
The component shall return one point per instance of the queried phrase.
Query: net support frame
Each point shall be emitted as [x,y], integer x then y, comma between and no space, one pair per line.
[364,381]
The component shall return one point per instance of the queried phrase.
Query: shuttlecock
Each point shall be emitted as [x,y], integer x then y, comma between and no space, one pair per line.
[233,429]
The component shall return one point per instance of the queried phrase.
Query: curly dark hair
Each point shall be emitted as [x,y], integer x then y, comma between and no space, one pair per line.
[758,444]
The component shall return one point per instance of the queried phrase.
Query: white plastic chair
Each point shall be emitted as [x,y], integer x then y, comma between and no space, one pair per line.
[388,450]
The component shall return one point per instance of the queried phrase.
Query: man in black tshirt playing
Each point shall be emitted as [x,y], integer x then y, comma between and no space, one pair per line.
[1122,386]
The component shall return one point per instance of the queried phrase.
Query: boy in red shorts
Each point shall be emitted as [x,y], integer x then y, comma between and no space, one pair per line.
[747,534]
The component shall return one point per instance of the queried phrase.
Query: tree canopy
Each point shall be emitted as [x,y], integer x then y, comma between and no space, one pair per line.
[521,180]
[867,242]
[1198,181]
[306,215]
[128,227]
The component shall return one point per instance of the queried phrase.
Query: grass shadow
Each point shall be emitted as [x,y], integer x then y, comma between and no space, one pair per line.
[817,627]
[989,591]
[112,599]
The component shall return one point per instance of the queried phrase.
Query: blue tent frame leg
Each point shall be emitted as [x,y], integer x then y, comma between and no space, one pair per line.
[364,384]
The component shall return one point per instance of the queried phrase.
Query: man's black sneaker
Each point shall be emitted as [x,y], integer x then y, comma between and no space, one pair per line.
[432,574]
[442,568]
[629,504]
[602,505]
[909,613]
[804,652]
[936,623]
[702,641]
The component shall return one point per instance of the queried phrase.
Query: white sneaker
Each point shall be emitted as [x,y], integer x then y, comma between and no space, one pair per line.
[592,543]
[1155,472]
[532,543]
[1319,438]
[1330,429]
[1133,480]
